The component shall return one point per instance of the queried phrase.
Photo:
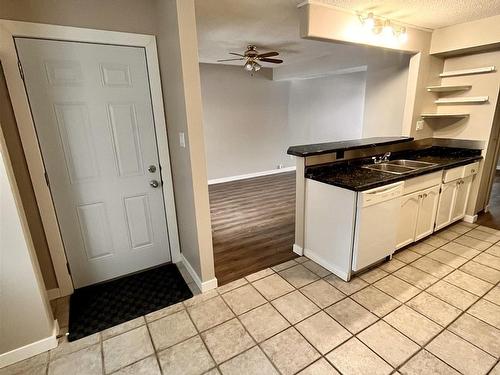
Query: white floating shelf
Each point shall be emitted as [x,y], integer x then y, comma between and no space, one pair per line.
[444,115]
[448,88]
[464,100]
[463,72]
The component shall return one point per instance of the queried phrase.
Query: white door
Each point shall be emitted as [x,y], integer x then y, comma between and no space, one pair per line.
[427,212]
[407,219]
[92,110]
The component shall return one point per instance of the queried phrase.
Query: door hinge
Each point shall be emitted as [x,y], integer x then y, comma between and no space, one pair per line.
[69,269]
[47,178]
[20,69]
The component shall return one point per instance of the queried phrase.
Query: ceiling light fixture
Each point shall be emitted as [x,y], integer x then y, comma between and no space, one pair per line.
[252,66]
[384,27]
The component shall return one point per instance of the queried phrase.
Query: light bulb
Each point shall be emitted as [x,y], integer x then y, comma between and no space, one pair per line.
[387,30]
[369,22]
[256,66]
[403,35]
[249,66]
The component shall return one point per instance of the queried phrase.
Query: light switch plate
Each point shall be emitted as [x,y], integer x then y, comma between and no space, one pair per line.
[182,140]
[420,125]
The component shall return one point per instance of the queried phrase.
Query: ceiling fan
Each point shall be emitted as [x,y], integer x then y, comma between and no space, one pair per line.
[252,57]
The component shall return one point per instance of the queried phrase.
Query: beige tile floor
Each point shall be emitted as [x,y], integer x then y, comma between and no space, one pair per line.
[433,309]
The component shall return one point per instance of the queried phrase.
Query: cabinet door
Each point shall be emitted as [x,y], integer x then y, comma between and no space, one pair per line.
[407,219]
[427,212]
[446,203]
[463,190]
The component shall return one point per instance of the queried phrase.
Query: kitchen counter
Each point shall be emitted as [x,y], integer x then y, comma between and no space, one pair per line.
[350,174]
[341,146]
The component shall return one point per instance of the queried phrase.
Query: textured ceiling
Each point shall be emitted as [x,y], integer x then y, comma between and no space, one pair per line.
[229,25]
[225,26]
[431,14]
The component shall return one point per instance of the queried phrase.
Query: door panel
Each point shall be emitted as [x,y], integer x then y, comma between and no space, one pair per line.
[445,205]
[427,212]
[408,219]
[463,190]
[92,110]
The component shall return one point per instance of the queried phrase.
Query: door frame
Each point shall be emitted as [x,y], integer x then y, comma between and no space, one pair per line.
[25,123]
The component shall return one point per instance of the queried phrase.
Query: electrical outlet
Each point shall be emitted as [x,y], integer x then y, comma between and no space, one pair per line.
[420,125]
[182,140]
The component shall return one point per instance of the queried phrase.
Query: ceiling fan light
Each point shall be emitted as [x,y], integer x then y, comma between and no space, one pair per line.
[248,66]
[369,22]
[256,66]
[387,30]
[403,35]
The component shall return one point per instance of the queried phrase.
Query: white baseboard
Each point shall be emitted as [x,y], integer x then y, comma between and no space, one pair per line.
[30,350]
[249,175]
[470,219]
[203,286]
[330,267]
[53,293]
[298,250]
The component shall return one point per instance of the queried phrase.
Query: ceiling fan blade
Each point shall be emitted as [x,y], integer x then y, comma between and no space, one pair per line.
[267,54]
[274,61]
[241,58]
[236,54]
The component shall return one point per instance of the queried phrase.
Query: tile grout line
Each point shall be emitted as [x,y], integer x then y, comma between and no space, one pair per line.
[422,347]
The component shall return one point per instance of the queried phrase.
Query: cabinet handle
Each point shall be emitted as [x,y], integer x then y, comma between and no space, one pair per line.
[425,195]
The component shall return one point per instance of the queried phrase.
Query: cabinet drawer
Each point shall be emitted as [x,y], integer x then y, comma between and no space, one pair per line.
[460,172]
[471,169]
[453,174]
[422,182]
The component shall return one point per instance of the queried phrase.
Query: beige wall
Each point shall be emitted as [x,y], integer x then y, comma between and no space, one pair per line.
[467,37]
[160,18]
[480,124]
[178,54]
[244,113]
[385,97]
[117,15]
[25,316]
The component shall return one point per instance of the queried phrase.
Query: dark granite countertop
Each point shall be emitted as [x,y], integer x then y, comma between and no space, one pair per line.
[325,148]
[350,174]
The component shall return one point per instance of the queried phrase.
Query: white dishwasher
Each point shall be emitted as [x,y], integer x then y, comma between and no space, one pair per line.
[377,216]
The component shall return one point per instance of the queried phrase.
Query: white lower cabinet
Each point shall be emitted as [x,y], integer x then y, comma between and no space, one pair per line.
[453,201]
[461,199]
[408,217]
[427,212]
[418,212]
[445,206]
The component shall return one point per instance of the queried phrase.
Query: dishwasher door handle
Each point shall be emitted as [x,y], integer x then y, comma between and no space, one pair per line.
[386,190]
[375,196]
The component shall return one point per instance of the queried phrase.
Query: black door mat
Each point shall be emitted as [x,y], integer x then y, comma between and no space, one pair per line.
[97,307]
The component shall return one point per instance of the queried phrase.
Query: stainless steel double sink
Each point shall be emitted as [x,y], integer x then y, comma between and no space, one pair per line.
[401,166]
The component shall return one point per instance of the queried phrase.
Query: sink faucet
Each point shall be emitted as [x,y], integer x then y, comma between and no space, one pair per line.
[380,159]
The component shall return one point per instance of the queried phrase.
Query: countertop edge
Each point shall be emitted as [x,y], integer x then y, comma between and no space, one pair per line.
[402,177]
[293,152]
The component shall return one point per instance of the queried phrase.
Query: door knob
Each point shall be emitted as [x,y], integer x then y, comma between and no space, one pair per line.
[154,183]
[152,168]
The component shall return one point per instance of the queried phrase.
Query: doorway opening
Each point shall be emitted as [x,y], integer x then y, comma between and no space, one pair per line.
[253,224]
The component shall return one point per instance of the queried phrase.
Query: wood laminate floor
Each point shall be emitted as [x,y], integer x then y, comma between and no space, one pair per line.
[253,224]
[492,217]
